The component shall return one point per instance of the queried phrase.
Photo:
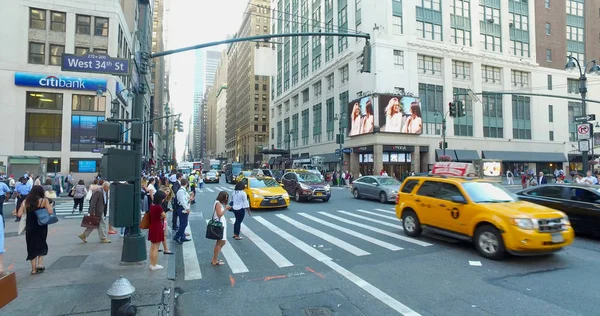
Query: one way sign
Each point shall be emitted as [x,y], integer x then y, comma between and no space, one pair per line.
[585,118]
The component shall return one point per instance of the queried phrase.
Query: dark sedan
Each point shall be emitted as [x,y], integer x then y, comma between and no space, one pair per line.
[580,202]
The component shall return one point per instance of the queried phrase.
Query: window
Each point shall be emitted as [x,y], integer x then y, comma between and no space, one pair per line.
[317,88]
[429,65]
[317,123]
[37,19]
[574,7]
[81,51]
[493,123]
[491,43]
[397,25]
[518,21]
[548,55]
[43,131]
[58,22]
[574,33]
[398,59]
[330,82]
[429,188]
[432,100]
[463,126]
[429,31]
[37,53]
[461,70]
[518,48]
[101,26]
[460,37]
[279,134]
[399,90]
[409,186]
[547,28]
[579,56]
[551,135]
[547,4]
[83,132]
[461,8]
[549,79]
[447,191]
[574,110]
[44,101]
[56,52]
[550,113]
[272,133]
[519,78]
[83,24]
[305,115]
[489,15]
[88,103]
[431,4]
[521,113]
[490,74]
[329,108]
[305,95]
[572,86]
[100,51]
[344,74]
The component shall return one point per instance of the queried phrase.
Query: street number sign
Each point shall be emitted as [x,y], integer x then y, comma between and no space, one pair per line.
[584,131]
[584,145]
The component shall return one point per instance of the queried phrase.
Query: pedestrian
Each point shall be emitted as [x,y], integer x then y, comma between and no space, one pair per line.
[239,204]
[144,196]
[151,188]
[509,177]
[165,205]
[156,233]
[175,185]
[183,211]
[98,205]
[219,209]
[22,190]
[192,182]
[4,193]
[2,248]
[35,235]
[78,195]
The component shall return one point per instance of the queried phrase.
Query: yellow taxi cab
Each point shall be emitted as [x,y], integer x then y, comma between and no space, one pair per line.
[265,192]
[481,212]
[242,175]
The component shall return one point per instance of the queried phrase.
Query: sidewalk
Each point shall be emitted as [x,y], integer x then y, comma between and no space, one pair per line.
[78,275]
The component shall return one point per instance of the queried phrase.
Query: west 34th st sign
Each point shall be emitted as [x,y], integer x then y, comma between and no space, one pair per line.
[95,63]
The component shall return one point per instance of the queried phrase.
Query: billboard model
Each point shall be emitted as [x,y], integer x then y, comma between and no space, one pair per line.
[400,114]
[361,119]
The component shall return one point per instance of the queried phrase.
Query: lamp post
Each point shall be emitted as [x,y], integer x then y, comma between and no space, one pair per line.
[340,139]
[55,162]
[573,63]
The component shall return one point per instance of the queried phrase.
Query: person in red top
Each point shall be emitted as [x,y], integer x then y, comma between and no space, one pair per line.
[156,234]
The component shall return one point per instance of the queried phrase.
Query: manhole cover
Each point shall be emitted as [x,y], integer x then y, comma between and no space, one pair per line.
[11,234]
[317,311]
[68,262]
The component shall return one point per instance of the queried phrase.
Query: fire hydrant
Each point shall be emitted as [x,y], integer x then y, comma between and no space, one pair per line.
[120,298]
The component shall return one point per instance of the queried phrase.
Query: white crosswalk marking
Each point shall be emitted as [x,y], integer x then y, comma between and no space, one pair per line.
[378,230]
[190,259]
[385,211]
[377,214]
[353,233]
[234,261]
[209,190]
[273,254]
[333,240]
[372,220]
[227,189]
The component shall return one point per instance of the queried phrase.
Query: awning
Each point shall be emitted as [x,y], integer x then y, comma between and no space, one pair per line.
[524,156]
[577,157]
[449,152]
[329,158]
[271,160]
[464,155]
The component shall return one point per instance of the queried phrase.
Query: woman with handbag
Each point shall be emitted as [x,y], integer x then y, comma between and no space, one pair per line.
[156,233]
[219,209]
[35,234]
[239,204]
[79,193]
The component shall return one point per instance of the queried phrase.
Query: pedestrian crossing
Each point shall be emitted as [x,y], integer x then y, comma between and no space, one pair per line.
[64,208]
[214,189]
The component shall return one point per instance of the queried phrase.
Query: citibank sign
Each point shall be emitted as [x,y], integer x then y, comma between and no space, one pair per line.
[59,82]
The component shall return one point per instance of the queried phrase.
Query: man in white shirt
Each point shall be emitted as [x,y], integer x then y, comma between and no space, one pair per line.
[183,212]
[590,179]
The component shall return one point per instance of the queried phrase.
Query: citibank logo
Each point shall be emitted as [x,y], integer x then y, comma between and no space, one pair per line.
[55,82]
[59,82]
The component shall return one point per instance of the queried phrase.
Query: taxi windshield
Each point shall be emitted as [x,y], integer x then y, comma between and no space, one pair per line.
[388,181]
[247,173]
[211,174]
[487,192]
[308,177]
[263,183]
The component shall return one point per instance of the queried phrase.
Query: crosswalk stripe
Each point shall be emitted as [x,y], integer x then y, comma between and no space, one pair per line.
[319,256]
[227,189]
[209,190]
[333,240]
[377,214]
[364,237]
[373,220]
[273,254]
[234,261]
[190,259]
[385,211]
[378,230]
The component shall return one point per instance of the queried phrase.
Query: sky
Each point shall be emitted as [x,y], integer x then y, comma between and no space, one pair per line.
[191,23]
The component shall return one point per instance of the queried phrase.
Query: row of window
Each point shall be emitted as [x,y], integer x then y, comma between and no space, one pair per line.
[51,54]
[54,101]
[58,22]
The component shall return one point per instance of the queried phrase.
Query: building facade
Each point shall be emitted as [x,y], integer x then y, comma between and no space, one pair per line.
[53,114]
[216,103]
[247,118]
[449,51]
[160,85]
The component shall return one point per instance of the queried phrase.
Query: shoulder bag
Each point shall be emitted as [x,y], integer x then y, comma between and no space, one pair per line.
[145,222]
[44,218]
[214,229]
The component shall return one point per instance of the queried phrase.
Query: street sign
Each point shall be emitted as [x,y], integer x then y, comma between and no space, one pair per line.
[95,63]
[338,151]
[584,131]
[347,150]
[584,145]
[585,118]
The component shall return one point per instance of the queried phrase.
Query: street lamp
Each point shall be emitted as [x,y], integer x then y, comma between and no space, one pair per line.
[340,138]
[55,162]
[573,63]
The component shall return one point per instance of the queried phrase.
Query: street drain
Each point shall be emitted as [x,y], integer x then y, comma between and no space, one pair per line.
[317,311]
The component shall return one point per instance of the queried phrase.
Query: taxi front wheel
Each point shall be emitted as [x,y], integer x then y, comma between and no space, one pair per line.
[411,223]
[489,242]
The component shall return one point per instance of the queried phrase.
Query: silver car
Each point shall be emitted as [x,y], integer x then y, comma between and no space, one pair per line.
[383,188]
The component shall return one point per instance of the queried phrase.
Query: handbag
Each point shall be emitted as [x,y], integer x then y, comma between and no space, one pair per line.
[214,228]
[90,221]
[50,194]
[44,218]
[145,222]
[71,193]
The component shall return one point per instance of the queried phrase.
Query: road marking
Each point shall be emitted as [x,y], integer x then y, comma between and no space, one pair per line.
[227,189]
[372,220]
[375,292]
[209,190]
[378,230]
[190,259]
[364,237]
[233,260]
[273,254]
[333,240]
[377,214]
[385,211]
[293,240]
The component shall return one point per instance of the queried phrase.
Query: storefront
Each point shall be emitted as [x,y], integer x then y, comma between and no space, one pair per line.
[365,159]
[397,160]
[519,161]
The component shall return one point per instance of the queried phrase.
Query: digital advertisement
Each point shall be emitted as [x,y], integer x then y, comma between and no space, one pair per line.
[400,114]
[87,166]
[83,131]
[492,168]
[361,118]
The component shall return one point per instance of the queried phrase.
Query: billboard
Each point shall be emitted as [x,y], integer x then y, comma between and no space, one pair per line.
[361,119]
[400,114]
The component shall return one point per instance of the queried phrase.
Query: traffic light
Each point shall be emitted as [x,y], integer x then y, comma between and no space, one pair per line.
[440,145]
[461,109]
[179,125]
[452,109]
[365,61]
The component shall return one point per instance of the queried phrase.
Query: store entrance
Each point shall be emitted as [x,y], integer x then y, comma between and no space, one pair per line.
[397,170]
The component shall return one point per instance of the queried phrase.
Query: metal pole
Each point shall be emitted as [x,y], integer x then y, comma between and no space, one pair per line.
[341,128]
[443,135]
[583,92]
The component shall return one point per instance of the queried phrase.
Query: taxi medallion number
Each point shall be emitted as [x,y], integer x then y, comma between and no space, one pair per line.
[557,238]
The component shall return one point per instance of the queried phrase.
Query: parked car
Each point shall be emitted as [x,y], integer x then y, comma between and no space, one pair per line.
[211,177]
[304,185]
[580,202]
[383,188]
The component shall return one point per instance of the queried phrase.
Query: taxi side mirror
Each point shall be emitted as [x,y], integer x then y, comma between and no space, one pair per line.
[459,199]
[281,184]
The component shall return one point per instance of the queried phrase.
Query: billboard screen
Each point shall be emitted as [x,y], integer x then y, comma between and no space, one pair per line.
[400,114]
[361,119]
